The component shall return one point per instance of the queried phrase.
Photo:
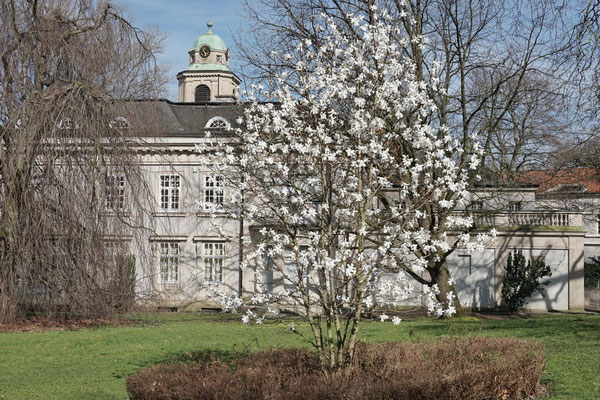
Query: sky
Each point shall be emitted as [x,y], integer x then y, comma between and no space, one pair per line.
[183,21]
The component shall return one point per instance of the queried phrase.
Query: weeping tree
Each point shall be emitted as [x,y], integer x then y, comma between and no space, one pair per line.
[335,178]
[65,167]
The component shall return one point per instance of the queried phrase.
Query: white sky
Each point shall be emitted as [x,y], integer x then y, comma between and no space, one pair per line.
[183,21]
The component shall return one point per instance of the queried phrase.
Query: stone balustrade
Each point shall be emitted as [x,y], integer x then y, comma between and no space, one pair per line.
[528,218]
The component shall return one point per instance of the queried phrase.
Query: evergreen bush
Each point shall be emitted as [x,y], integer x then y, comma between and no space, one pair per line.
[591,272]
[521,279]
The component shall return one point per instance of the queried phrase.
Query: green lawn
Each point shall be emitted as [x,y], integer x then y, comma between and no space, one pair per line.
[94,363]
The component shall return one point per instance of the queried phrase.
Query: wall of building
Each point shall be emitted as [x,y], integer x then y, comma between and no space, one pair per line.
[478,276]
[474,279]
[190,227]
[223,86]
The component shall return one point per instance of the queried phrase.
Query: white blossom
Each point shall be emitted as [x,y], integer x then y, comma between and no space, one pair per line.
[334,208]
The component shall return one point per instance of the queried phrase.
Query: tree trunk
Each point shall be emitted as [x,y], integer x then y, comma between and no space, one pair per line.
[441,276]
[10,234]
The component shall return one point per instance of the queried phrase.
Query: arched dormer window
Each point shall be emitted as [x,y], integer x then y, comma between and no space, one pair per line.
[202,94]
[218,123]
[119,123]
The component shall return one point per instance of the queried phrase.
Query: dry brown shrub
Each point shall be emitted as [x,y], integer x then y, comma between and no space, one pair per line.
[455,368]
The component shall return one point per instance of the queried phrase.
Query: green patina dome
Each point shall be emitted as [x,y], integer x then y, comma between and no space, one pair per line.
[209,38]
[208,67]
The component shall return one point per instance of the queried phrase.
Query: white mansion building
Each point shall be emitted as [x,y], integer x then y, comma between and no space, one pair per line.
[184,254]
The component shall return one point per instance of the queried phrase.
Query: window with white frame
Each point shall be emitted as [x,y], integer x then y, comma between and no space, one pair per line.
[114,195]
[292,267]
[267,275]
[213,259]
[213,192]
[119,123]
[217,123]
[67,124]
[169,260]
[169,192]
[114,251]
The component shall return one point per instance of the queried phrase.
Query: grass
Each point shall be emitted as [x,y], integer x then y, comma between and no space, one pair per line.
[94,363]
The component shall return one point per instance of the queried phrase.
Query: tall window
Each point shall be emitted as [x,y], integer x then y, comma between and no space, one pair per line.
[119,265]
[213,192]
[114,249]
[213,258]
[169,192]
[202,94]
[267,279]
[290,269]
[114,193]
[598,224]
[169,258]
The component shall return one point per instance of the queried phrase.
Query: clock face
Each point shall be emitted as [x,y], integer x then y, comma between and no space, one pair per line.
[204,51]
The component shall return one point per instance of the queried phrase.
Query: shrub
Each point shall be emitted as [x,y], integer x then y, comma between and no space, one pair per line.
[457,368]
[591,272]
[522,279]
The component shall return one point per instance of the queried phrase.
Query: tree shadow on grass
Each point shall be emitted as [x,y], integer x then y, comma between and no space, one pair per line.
[520,326]
[199,356]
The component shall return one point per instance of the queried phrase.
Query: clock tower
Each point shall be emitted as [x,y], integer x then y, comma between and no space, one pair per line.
[208,78]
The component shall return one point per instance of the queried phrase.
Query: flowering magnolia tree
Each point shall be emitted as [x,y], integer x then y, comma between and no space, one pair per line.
[336,177]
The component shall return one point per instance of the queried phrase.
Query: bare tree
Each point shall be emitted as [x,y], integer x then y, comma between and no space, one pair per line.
[65,65]
[578,151]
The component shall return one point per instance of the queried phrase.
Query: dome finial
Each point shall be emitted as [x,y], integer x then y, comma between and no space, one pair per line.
[210,25]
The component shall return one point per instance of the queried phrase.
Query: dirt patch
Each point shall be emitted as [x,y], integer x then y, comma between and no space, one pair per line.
[38,324]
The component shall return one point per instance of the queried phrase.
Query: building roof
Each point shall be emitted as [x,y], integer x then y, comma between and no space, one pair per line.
[565,182]
[209,38]
[163,118]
